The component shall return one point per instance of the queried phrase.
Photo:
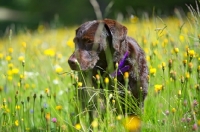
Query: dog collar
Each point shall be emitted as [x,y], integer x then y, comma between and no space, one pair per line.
[122,67]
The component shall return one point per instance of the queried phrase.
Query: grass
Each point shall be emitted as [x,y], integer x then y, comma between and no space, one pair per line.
[37,91]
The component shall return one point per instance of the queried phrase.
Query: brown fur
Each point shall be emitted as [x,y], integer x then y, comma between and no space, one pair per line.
[98,39]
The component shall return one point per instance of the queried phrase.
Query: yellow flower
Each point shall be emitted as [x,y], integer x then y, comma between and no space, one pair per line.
[10,78]
[17,107]
[16,123]
[126,75]
[70,43]
[173,110]
[179,92]
[10,50]
[97,76]
[152,71]
[78,126]
[8,58]
[21,58]
[23,44]
[47,90]
[15,71]
[158,88]
[49,52]
[10,65]
[47,116]
[176,50]
[106,80]
[80,84]
[94,124]
[59,107]
[59,56]
[198,122]
[187,75]
[59,69]
[1,56]
[181,38]
[191,53]
[119,117]
[133,123]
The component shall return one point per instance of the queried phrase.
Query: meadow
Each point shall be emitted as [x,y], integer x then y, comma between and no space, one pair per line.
[38,91]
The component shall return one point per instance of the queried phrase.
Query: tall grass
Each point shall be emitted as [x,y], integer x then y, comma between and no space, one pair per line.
[38,91]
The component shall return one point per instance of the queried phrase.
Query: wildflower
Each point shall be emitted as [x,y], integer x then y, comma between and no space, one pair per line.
[119,117]
[10,65]
[153,71]
[23,44]
[106,80]
[54,120]
[78,126]
[185,102]
[187,75]
[97,76]
[163,66]
[158,88]
[181,38]
[16,123]
[190,66]
[133,19]
[167,112]
[184,63]
[179,92]
[80,84]
[31,111]
[10,50]
[133,123]
[59,107]
[198,69]
[195,127]
[170,64]
[198,122]
[47,116]
[176,50]
[126,75]
[173,110]
[191,53]
[8,58]
[47,90]
[59,56]
[94,124]
[70,43]
[195,103]
[15,71]
[21,58]
[1,56]
[58,69]
[10,78]
[49,52]
[173,75]
[17,107]
[197,87]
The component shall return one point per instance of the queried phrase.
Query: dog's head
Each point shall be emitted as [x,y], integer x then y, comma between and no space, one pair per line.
[92,39]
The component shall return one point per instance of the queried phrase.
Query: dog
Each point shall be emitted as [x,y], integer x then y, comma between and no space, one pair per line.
[99,46]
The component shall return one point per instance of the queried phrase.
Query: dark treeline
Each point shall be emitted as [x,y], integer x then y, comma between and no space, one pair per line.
[70,12]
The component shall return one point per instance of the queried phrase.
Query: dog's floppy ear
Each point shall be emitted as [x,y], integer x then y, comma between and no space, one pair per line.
[118,32]
[84,27]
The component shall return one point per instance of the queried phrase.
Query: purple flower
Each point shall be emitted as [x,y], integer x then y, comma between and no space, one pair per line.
[122,61]
[54,120]
[31,111]
[122,67]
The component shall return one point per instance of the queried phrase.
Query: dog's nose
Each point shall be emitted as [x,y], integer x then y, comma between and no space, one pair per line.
[73,63]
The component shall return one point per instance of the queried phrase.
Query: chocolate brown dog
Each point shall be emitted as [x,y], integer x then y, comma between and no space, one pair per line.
[100,44]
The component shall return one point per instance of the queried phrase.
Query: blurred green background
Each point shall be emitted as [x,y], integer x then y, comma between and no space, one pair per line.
[30,13]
